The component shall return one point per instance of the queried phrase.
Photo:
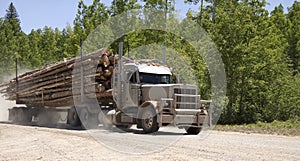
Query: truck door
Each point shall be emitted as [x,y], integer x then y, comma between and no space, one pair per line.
[135,89]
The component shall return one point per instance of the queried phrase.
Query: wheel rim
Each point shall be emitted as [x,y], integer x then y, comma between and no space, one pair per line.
[20,115]
[84,116]
[74,117]
[13,115]
[148,121]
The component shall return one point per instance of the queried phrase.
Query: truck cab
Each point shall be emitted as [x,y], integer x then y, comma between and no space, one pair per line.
[148,97]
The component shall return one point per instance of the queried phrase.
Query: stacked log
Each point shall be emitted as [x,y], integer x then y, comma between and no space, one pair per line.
[59,84]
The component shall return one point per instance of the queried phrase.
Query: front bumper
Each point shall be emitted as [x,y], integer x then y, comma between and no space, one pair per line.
[185,117]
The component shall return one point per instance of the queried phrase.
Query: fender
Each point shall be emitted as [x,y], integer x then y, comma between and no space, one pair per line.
[153,104]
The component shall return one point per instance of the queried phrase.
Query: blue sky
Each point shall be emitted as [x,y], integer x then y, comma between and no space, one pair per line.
[36,14]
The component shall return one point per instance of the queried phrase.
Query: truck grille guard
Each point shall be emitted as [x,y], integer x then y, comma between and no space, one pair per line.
[185,98]
[185,109]
[188,102]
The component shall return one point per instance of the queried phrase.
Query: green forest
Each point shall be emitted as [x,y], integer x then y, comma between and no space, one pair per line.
[260,49]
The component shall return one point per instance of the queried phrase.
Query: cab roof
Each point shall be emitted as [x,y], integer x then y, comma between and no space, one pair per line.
[154,69]
[150,66]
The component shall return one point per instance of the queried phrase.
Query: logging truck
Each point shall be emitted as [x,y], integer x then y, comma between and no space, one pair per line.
[125,92]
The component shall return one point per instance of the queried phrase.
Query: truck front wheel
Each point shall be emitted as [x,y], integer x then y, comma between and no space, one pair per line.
[148,120]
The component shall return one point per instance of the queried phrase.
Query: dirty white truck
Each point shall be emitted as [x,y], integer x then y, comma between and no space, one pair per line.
[142,93]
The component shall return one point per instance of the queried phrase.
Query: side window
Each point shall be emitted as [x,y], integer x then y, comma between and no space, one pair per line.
[133,78]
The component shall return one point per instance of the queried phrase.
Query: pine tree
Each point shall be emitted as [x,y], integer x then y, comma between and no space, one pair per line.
[12,17]
[294,36]
[35,48]
[13,40]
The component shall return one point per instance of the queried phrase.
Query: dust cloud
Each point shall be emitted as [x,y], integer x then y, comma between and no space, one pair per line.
[4,106]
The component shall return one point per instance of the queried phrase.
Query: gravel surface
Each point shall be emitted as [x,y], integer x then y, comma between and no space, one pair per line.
[40,143]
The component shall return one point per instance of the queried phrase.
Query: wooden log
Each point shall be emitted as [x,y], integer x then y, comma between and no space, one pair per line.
[87,63]
[111,69]
[65,71]
[61,64]
[105,60]
[47,84]
[107,73]
[54,79]
[50,96]
[55,84]
[47,80]
[87,60]
[112,59]
[65,101]
[39,93]
[107,85]
[100,88]
[99,70]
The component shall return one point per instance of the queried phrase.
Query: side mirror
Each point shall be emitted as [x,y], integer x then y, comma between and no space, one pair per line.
[177,78]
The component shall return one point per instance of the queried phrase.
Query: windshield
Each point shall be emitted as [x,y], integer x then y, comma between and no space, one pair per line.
[155,78]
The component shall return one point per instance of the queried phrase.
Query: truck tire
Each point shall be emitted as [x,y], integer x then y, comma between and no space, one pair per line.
[193,130]
[44,118]
[84,117]
[148,120]
[13,114]
[102,119]
[21,115]
[73,118]
[88,120]
[123,127]
[26,116]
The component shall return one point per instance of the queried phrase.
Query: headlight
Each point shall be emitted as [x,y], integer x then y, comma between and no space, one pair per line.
[166,104]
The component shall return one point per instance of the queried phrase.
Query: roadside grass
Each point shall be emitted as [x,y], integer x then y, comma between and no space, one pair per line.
[288,128]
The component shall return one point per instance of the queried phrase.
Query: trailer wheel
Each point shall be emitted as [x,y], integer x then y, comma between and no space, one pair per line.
[73,118]
[84,117]
[88,120]
[193,130]
[26,115]
[102,119]
[21,115]
[148,120]
[45,117]
[13,114]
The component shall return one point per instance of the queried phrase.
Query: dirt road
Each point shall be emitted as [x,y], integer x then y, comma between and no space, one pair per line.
[39,143]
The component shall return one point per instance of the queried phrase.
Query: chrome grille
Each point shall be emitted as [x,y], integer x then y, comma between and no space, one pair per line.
[185,91]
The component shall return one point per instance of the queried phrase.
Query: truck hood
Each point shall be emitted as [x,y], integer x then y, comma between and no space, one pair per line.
[157,91]
[169,85]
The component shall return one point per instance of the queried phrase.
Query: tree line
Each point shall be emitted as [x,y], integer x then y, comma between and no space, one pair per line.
[260,49]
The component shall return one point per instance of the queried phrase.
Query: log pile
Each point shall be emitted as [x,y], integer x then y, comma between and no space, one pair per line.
[59,84]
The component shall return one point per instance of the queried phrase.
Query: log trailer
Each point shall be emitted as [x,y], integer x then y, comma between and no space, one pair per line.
[142,93]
